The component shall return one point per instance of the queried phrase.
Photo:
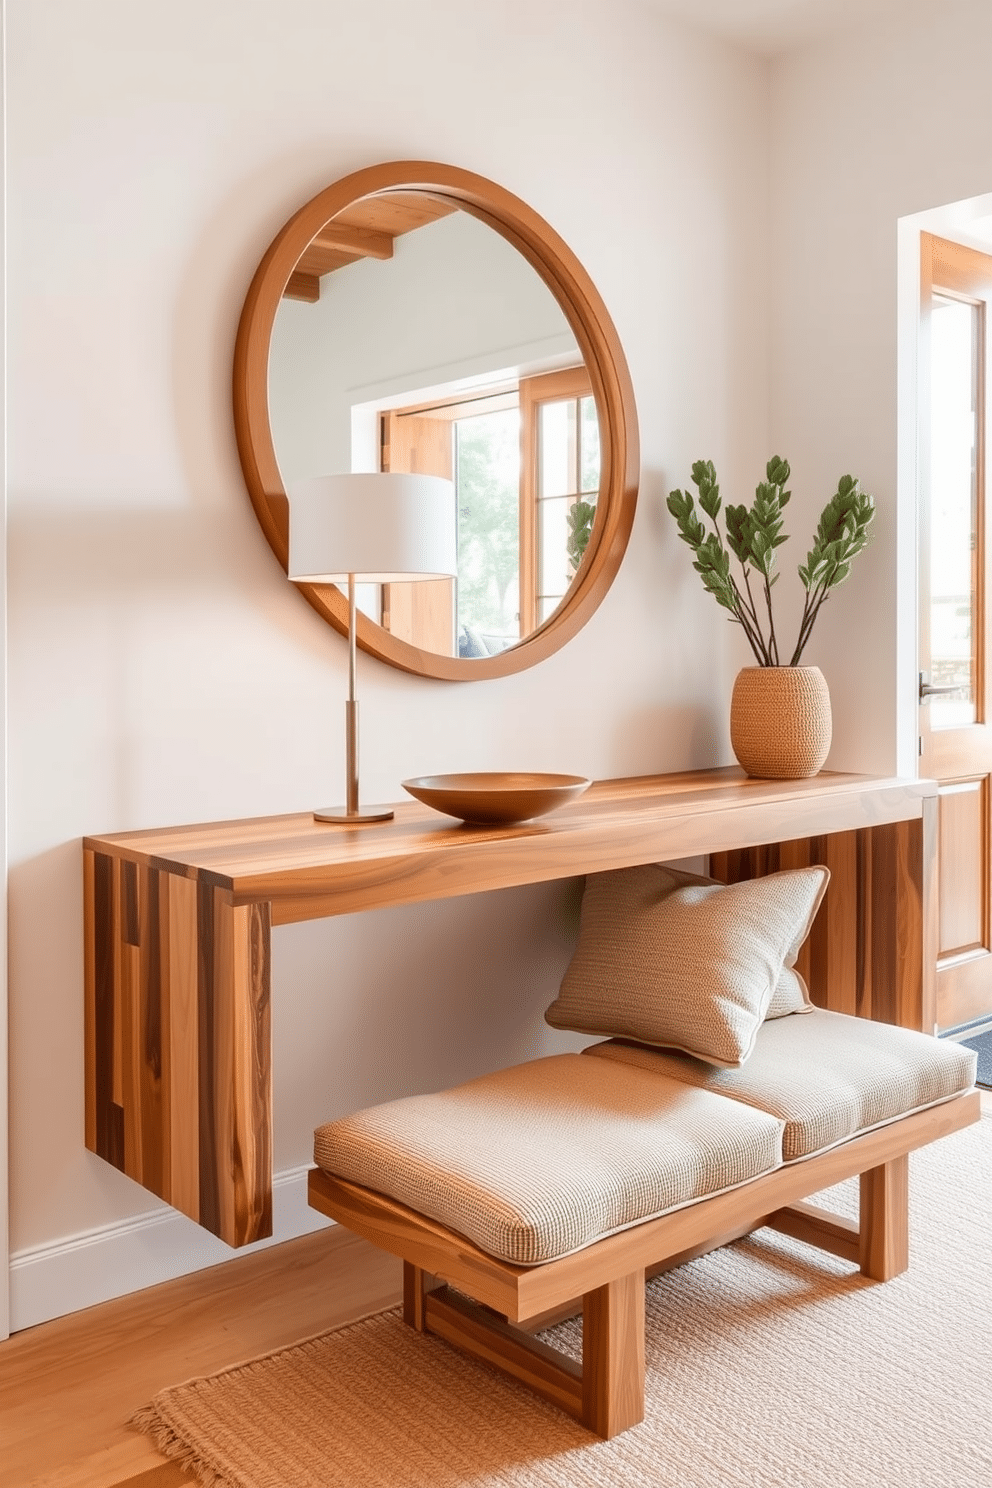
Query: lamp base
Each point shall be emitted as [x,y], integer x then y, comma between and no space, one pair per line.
[347,818]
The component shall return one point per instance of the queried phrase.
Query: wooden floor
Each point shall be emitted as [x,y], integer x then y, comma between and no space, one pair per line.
[68,1387]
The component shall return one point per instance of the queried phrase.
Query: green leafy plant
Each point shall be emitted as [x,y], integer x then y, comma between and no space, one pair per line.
[581,515]
[753,535]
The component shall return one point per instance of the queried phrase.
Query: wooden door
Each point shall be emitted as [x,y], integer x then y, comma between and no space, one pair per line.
[955,690]
[422,612]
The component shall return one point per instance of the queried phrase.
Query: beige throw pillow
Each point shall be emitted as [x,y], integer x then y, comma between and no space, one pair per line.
[667,958]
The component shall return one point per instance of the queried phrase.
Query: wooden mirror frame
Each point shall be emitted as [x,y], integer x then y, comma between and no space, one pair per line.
[597,340]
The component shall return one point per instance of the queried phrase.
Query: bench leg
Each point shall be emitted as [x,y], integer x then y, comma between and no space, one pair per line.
[416,1285]
[613,1355]
[884,1220]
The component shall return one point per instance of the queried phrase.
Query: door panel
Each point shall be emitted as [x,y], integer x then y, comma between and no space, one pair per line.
[963,812]
[955,733]
[421,612]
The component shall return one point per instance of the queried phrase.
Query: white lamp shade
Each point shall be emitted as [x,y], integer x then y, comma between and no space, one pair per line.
[383,529]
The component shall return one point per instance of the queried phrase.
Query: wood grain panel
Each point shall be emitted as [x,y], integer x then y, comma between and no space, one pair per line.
[963,990]
[234,1069]
[207,1073]
[896,990]
[865,954]
[154,1128]
[180,1041]
[104,1115]
[250,1137]
[963,812]
[129,979]
[177,1017]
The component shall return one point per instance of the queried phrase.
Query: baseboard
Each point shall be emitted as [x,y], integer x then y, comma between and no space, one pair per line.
[48,1281]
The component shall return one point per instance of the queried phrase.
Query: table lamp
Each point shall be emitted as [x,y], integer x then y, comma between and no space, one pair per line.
[369,528]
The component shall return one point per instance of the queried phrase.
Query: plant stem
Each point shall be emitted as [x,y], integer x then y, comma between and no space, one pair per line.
[772,642]
[811,608]
[746,613]
[748,620]
[761,649]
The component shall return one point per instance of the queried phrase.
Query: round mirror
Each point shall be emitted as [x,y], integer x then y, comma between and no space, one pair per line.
[414,317]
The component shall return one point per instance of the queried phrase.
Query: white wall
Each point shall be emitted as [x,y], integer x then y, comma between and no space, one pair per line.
[865,129]
[4,1105]
[161,667]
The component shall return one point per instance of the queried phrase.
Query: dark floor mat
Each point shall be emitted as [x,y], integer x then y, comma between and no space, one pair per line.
[982,1045]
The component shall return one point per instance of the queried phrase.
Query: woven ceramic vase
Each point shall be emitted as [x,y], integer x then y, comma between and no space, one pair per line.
[780,721]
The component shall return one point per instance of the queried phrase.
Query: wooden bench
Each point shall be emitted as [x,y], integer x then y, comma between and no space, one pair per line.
[491,1307]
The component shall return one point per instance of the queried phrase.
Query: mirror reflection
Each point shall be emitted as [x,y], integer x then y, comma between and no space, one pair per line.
[413,337]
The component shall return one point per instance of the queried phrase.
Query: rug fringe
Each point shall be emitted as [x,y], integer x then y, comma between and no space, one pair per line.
[150,1423]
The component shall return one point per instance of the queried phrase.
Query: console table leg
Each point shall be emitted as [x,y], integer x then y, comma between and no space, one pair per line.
[178,1042]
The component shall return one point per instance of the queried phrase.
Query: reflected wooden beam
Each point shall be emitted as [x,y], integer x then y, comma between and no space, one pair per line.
[302,287]
[365,242]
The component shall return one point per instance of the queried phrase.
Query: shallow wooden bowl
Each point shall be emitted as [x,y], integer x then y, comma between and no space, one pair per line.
[496,798]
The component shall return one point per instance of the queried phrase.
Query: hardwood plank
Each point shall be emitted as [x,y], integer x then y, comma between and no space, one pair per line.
[235,1075]
[250,1137]
[108,1129]
[90,1074]
[834,938]
[220,1159]
[180,1040]
[153,1125]
[68,1387]
[208,1201]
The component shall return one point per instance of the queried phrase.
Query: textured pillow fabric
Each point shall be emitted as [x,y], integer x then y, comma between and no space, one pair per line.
[671,960]
[791,995]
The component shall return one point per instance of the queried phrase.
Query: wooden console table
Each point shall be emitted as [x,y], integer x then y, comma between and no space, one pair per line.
[177,932]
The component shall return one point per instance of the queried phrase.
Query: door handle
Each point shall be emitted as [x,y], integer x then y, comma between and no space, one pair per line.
[929,691]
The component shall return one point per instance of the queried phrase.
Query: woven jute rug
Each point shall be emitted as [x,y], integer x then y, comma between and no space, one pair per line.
[769,1365]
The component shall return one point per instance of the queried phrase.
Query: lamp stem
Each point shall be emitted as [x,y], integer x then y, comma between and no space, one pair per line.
[352,815]
[351,709]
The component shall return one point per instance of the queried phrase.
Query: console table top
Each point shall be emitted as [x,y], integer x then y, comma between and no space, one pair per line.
[307,869]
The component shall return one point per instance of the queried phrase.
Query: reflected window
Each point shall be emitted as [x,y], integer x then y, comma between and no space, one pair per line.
[525,458]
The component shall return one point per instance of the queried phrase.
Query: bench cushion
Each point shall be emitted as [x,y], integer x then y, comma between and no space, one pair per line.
[539,1160]
[671,959]
[827,1076]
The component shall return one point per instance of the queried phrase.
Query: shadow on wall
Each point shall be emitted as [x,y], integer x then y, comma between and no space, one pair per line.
[682,737]
[394,1002]
[73,554]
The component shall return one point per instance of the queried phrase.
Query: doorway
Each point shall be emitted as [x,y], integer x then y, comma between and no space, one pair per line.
[955,659]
